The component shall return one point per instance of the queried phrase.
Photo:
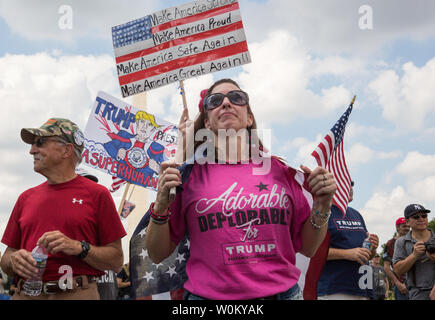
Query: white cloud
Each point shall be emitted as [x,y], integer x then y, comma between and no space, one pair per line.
[333,26]
[417,166]
[408,100]
[278,81]
[39,20]
[382,210]
[419,170]
[360,154]
[39,86]
[338,66]
[34,88]
[384,207]
[355,131]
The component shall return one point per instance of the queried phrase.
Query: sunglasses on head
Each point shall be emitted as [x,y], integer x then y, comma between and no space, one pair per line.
[41,141]
[417,216]
[237,97]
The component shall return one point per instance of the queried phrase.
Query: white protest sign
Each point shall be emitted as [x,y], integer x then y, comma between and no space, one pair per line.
[178,43]
[126,142]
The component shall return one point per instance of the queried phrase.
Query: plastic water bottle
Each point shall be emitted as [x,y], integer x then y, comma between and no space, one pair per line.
[33,286]
[367,244]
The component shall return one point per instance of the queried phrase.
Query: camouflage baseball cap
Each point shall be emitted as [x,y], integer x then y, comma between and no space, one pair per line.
[56,127]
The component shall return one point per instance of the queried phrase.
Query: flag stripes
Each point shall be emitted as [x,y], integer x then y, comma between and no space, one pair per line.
[184,62]
[191,19]
[329,154]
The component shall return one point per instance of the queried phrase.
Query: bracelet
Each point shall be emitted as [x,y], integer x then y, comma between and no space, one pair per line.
[325,215]
[316,226]
[159,221]
[159,218]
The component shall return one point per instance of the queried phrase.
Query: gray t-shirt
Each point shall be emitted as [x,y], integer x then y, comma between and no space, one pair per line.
[420,279]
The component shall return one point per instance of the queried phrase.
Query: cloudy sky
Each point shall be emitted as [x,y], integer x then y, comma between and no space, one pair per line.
[308,59]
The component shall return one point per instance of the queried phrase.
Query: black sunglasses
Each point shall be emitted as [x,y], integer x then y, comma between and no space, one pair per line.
[417,216]
[41,141]
[238,97]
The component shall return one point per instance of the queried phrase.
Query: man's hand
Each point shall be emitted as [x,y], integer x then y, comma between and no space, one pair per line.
[431,255]
[402,287]
[419,249]
[23,264]
[360,255]
[56,241]
[374,240]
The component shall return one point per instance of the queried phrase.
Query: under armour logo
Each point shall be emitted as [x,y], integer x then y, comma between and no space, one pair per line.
[79,201]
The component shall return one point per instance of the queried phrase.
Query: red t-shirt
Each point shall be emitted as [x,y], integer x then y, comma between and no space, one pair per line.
[389,249]
[81,209]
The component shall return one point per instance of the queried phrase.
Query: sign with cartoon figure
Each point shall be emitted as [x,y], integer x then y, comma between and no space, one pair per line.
[126,142]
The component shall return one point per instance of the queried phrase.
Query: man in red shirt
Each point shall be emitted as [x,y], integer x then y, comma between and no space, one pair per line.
[72,217]
[400,290]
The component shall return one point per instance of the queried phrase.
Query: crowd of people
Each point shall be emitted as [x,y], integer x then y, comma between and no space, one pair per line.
[244,229]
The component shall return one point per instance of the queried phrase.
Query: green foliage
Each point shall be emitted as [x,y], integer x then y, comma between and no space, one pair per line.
[432,224]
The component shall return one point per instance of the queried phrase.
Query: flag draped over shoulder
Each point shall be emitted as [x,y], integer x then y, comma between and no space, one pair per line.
[329,154]
[156,281]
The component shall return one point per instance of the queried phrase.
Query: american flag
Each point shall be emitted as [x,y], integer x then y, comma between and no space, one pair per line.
[329,154]
[156,281]
[116,184]
[178,43]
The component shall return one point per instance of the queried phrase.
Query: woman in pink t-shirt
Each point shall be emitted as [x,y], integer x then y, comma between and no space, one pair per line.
[246,214]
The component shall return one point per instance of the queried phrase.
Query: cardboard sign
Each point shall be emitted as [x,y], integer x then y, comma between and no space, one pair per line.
[126,142]
[179,43]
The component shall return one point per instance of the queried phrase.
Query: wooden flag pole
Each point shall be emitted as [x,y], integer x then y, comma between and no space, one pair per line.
[179,152]
[183,94]
[121,205]
[131,193]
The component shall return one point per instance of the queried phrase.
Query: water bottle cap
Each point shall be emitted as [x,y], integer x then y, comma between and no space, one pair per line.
[38,250]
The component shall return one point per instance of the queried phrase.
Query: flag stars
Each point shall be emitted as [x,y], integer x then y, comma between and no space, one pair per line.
[171,271]
[148,276]
[144,254]
[180,257]
[143,232]
[158,265]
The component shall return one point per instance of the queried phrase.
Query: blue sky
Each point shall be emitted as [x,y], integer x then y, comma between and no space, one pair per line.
[308,60]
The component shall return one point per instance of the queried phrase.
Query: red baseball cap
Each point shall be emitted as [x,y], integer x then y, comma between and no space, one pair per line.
[401,220]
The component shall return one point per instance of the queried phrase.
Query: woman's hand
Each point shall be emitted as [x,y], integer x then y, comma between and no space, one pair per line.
[169,177]
[322,187]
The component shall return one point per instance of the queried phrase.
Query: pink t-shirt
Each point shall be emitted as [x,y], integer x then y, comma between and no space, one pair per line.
[244,229]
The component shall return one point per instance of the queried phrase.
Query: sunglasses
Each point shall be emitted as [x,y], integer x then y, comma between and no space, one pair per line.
[41,141]
[237,97]
[417,216]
